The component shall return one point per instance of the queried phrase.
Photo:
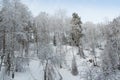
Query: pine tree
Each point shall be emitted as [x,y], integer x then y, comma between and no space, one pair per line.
[76,34]
[64,39]
[74,67]
[54,40]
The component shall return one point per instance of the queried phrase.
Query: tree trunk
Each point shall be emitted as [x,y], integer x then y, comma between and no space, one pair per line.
[45,72]
[80,52]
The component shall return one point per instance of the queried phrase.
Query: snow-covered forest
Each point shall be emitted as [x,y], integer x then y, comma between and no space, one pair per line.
[56,47]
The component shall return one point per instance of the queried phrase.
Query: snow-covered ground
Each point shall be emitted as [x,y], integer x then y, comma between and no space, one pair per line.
[35,70]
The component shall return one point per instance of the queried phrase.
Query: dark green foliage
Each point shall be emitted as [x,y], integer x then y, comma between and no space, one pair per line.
[54,40]
[74,67]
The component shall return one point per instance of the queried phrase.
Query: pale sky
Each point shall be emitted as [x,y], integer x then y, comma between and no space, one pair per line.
[89,10]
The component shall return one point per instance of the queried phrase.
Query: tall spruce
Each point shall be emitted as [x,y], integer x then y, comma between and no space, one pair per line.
[76,34]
